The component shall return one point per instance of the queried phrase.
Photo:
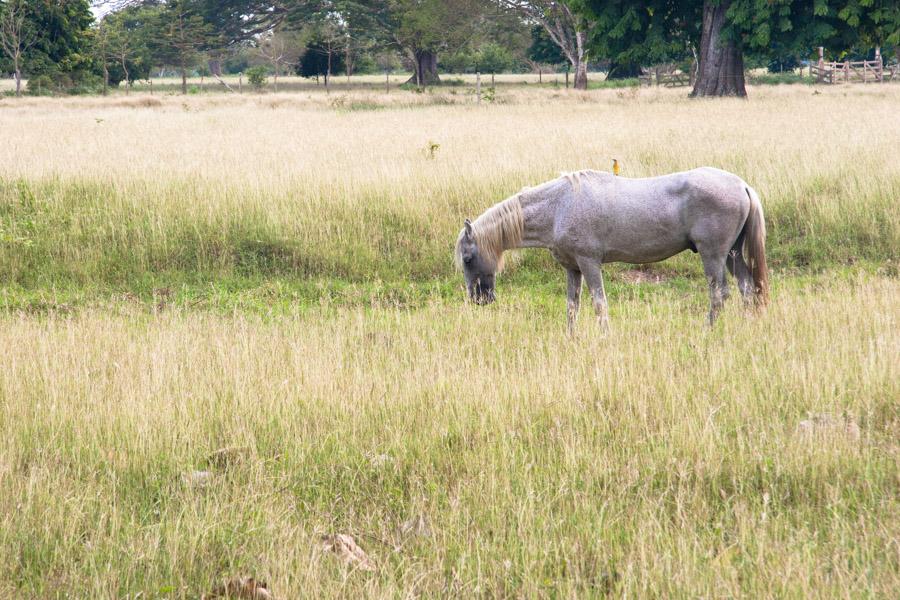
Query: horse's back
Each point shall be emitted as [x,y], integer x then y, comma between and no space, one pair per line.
[653,218]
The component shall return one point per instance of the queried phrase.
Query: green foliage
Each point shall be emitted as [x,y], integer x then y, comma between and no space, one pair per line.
[41,85]
[543,49]
[58,45]
[488,58]
[493,58]
[781,78]
[122,44]
[256,76]
[179,32]
[664,31]
[460,61]
[320,60]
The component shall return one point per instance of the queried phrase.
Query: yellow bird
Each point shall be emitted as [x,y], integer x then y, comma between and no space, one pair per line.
[615,167]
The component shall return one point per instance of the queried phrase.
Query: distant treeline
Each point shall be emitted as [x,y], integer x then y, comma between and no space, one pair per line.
[70,46]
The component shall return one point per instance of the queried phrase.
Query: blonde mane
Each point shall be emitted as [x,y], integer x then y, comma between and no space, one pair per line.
[499,228]
[574,178]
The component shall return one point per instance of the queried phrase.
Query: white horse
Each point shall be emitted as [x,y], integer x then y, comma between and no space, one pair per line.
[589,218]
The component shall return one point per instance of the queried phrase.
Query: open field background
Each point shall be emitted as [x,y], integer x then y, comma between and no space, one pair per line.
[272,274]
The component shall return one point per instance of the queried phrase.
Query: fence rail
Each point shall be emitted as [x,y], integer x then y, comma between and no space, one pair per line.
[860,71]
[666,75]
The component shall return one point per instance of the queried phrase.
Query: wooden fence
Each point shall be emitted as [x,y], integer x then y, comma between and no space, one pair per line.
[862,71]
[667,75]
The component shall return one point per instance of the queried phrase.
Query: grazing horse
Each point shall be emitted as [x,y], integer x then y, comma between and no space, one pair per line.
[589,218]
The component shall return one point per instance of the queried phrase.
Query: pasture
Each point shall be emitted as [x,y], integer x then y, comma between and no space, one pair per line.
[271,274]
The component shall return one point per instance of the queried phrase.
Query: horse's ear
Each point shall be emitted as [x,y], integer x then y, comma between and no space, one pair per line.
[468,226]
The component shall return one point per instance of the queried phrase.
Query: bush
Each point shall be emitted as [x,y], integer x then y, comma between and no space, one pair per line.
[41,85]
[493,58]
[256,76]
[783,64]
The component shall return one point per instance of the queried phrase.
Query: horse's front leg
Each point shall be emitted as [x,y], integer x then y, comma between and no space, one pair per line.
[573,295]
[594,277]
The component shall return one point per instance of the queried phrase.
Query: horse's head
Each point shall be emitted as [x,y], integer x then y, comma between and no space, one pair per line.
[477,266]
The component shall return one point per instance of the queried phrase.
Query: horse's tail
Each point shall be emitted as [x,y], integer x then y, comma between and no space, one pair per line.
[755,248]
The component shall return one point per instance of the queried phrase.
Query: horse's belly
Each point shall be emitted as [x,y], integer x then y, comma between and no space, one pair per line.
[647,252]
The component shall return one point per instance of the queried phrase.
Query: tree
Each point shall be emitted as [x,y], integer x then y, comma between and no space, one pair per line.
[281,49]
[358,40]
[566,23]
[16,36]
[319,60]
[422,29]
[543,49]
[121,37]
[180,34]
[58,39]
[732,27]
[721,61]
[723,30]
[330,38]
[492,58]
[868,23]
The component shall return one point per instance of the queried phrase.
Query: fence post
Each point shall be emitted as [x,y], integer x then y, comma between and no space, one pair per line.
[821,73]
[567,76]
[847,71]
[241,82]
[478,86]
[387,81]
[879,65]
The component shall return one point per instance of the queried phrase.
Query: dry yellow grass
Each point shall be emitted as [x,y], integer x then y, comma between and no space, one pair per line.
[661,460]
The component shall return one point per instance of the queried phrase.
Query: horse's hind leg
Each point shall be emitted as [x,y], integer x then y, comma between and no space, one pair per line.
[573,295]
[714,268]
[741,271]
[594,277]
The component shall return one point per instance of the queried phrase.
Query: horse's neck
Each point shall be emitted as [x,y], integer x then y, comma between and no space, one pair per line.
[539,214]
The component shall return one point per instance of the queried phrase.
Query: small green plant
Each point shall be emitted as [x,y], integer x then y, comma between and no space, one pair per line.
[257,76]
[430,149]
[489,94]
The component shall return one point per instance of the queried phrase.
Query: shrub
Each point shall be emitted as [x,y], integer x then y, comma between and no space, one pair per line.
[256,76]
[41,85]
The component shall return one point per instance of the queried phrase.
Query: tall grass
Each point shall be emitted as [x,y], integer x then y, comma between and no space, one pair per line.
[272,275]
[662,460]
[94,191]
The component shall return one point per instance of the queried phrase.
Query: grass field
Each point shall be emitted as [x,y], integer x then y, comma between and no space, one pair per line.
[272,275]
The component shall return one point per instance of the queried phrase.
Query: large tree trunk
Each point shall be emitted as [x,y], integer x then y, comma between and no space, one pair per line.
[580,61]
[183,80]
[581,75]
[426,68]
[721,71]
[18,81]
